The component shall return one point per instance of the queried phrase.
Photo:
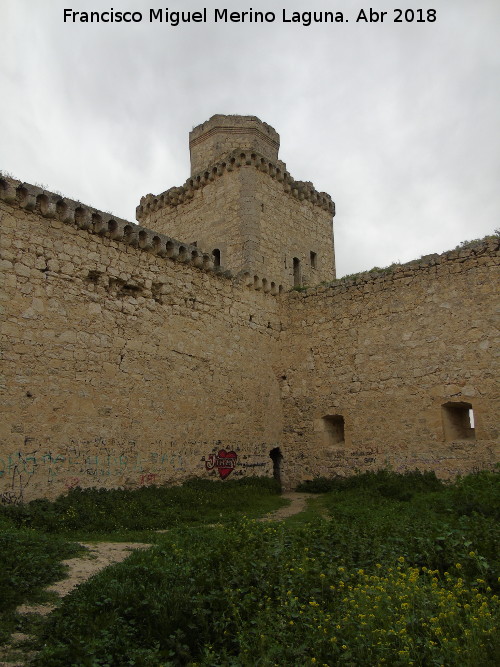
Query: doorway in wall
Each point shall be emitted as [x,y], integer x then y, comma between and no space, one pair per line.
[277,459]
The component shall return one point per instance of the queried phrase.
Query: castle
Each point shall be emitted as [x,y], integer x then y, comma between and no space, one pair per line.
[213,340]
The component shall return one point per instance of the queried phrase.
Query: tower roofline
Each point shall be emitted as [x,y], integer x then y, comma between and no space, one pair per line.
[222,134]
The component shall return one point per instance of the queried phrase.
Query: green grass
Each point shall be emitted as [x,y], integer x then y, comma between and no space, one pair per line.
[403,570]
[29,561]
[126,515]
[34,537]
[399,486]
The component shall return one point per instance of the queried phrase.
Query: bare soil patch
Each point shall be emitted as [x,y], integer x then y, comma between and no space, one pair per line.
[99,556]
[297,504]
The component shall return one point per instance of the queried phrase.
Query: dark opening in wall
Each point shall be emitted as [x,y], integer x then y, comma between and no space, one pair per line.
[296,272]
[333,428]
[93,276]
[277,459]
[216,255]
[458,421]
[314,260]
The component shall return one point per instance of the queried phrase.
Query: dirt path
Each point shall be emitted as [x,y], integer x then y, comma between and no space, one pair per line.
[99,556]
[297,504]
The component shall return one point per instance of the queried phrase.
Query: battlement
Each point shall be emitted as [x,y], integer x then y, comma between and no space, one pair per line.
[221,134]
[235,160]
[51,205]
[246,206]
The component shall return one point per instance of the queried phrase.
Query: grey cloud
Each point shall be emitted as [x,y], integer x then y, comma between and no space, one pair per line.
[398,122]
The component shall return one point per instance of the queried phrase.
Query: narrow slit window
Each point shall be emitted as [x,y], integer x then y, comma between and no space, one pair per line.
[296,272]
[216,256]
[314,260]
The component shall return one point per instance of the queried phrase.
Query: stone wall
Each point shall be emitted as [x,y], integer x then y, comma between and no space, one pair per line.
[123,365]
[209,217]
[256,215]
[378,367]
[133,358]
[293,227]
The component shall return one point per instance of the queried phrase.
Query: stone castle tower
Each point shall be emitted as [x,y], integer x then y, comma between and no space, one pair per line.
[152,353]
[242,205]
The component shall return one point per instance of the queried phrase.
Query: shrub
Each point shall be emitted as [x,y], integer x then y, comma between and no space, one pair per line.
[384,482]
[264,594]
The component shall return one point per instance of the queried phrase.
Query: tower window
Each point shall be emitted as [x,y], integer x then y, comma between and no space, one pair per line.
[458,421]
[216,255]
[296,272]
[314,260]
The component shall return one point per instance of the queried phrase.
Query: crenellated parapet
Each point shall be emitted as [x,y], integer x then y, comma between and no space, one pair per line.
[222,134]
[233,161]
[53,206]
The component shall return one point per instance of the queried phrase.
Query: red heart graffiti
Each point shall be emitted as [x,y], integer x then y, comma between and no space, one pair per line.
[225,462]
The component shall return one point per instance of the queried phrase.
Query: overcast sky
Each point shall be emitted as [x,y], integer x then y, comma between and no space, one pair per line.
[399,122]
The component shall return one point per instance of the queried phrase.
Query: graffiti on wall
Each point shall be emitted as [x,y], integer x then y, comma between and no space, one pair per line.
[72,465]
[224,462]
[115,462]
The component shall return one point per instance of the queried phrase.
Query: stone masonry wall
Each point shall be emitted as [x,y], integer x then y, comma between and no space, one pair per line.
[292,227]
[255,214]
[131,359]
[384,354]
[123,366]
[209,217]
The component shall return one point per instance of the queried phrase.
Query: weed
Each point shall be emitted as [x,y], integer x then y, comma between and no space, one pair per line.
[29,561]
[116,512]
[385,579]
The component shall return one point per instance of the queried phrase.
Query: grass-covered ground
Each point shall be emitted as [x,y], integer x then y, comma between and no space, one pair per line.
[36,537]
[29,561]
[134,515]
[402,570]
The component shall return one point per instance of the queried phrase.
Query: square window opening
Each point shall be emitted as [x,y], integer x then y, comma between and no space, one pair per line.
[334,430]
[458,421]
